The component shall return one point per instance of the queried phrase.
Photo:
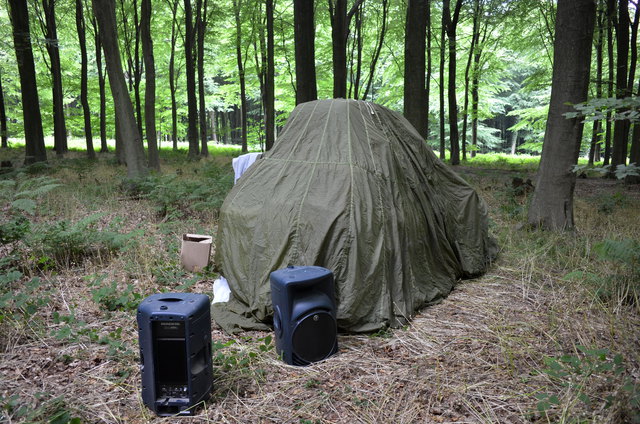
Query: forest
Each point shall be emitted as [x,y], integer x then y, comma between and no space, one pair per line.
[216,71]
[119,121]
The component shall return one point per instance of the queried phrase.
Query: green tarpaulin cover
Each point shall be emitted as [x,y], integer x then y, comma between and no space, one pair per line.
[350,186]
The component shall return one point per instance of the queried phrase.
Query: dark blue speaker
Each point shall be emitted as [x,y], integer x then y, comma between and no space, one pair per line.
[304,314]
[174,331]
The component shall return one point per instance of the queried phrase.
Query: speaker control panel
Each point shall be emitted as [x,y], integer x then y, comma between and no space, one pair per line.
[172,391]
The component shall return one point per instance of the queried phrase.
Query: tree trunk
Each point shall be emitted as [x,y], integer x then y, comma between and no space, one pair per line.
[150,86]
[34,136]
[201,25]
[594,149]
[104,11]
[441,91]
[621,126]
[304,34]
[214,125]
[192,101]
[104,148]
[450,23]
[610,93]
[340,20]
[269,94]
[3,119]
[51,37]
[474,36]
[357,44]
[552,204]
[237,4]
[376,54]
[416,108]
[84,100]
[172,76]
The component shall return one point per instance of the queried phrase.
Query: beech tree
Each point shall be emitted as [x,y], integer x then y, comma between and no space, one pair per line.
[304,30]
[33,133]
[416,107]
[4,142]
[190,71]
[84,95]
[48,25]
[133,149]
[552,204]
[340,21]
[150,87]
[450,24]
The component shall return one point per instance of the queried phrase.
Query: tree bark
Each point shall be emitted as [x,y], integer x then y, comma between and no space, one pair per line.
[552,204]
[269,94]
[474,36]
[34,136]
[150,86]
[201,25]
[104,148]
[4,142]
[416,108]
[450,23]
[172,78]
[610,92]
[304,34]
[84,100]
[594,148]
[51,43]
[441,91]
[621,126]
[192,101]
[243,95]
[133,148]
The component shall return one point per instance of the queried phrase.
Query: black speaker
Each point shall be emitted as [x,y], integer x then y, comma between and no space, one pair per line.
[174,331]
[304,314]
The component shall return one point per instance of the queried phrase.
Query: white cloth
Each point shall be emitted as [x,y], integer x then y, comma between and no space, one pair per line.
[221,290]
[242,162]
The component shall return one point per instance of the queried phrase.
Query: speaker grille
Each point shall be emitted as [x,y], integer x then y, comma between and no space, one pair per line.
[314,337]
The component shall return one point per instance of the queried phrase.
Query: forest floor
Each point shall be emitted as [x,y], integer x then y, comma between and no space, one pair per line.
[551,333]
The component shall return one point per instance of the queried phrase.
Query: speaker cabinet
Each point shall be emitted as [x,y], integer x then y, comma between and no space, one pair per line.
[304,314]
[174,332]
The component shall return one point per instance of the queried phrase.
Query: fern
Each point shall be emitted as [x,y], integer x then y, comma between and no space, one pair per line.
[626,252]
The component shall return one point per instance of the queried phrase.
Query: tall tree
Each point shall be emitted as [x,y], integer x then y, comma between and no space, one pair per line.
[378,49]
[269,95]
[416,108]
[50,32]
[304,34]
[173,4]
[552,204]
[192,101]
[126,124]
[237,4]
[201,26]
[450,24]
[4,142]
[84,98]
[443,42]
[104,148]
[594,148]
[34,136]
[150,87]
[131,38]
[475,34]
[621,126]
[340,21]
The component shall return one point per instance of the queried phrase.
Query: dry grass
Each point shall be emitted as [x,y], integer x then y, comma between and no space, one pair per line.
[477,357]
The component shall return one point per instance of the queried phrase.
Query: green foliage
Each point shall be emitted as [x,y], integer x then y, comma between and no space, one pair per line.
[113,298]
[622,282]
[176,197]
[575,378]
[52,411]
[232,357]
[20,299]
[64,244]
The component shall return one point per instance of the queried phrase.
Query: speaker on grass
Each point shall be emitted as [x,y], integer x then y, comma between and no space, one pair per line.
[304,314]
[174,332]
